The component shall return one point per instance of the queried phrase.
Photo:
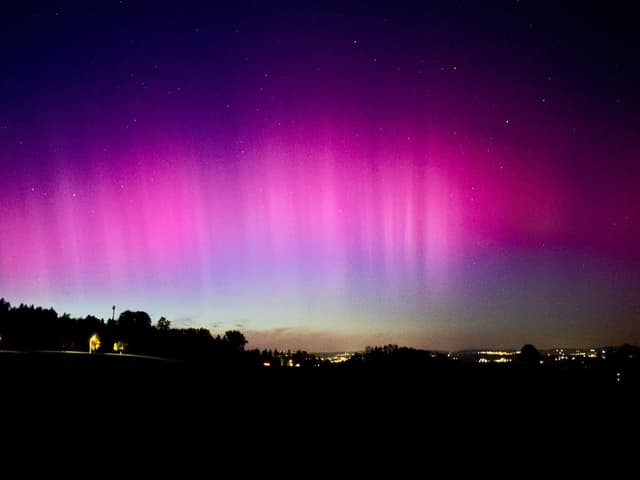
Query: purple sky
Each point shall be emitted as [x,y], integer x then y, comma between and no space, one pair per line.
[326,177]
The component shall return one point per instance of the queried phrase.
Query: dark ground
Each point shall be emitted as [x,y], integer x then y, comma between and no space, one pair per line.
[126,409]
[52,385]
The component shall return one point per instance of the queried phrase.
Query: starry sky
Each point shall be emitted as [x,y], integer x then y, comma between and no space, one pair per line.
[326,175]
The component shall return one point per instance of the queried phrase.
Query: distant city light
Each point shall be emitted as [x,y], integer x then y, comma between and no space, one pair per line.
[338,358]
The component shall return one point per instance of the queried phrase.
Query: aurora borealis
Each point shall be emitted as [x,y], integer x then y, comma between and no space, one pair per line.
[324,176]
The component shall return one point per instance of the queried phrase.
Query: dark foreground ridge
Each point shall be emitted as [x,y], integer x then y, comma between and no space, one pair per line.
[73,398]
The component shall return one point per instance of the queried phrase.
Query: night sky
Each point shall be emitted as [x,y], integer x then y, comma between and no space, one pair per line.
[327,175]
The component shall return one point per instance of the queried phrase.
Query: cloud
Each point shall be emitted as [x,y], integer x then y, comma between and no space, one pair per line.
[184,322]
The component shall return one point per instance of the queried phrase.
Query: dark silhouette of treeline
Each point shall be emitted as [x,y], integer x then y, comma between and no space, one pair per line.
[31,328]
[26,327]
[392,355]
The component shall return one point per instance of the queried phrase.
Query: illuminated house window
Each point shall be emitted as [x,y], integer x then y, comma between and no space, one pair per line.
[94,343]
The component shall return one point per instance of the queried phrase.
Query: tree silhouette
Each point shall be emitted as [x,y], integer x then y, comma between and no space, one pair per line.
[163,324]
[135,329]
[134,321]
[4,306]
[26,327]
[529,355]
[235,340]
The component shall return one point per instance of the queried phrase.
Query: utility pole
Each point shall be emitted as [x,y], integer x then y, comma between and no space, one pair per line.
[113,315]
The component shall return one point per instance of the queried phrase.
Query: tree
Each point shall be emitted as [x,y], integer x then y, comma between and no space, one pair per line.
[529,355]
[129,321]
[235,340]
[4,306]
[163,324]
